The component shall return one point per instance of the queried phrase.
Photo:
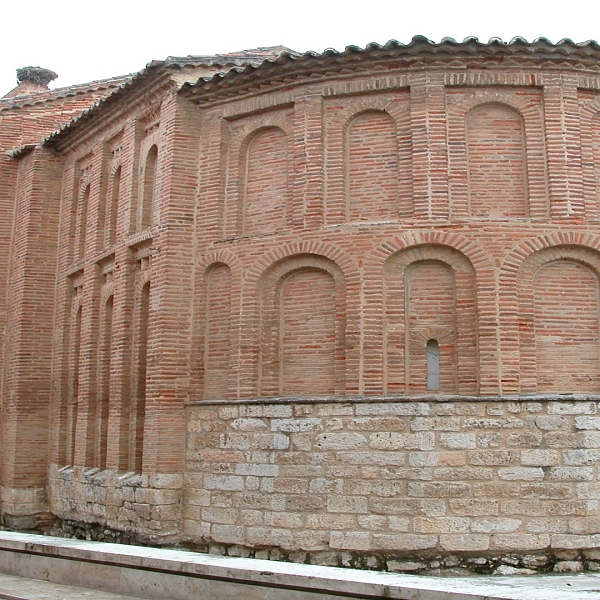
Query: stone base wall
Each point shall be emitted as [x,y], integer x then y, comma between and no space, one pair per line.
[146,507]
[23,508]
[395,477]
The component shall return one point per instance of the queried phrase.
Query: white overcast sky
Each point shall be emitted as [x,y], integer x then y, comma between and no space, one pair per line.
[87,40]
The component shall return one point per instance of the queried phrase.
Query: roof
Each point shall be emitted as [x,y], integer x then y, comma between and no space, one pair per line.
[256,57]
[277,63]
[311,63]
[73,90]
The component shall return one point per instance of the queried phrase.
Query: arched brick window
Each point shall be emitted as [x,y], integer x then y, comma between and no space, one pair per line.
[433,366]
[497,162]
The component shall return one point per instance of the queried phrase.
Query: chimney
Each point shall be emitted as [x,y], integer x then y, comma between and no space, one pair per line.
[31,80]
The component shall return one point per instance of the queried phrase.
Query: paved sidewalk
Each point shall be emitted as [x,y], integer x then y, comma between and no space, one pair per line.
[21,588]
[576,587]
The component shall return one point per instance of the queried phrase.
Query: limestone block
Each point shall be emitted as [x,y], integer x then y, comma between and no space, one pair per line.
[458,441]
[492,457]
[235,441]
[275,411]
[330,521]
[546,491]
[519,542]
[530,508]
[251,517]
[572,408]
[335,409]
[546,525]
[439,489]
[430,507]
[195,529]
[398,441]
[435,424]
[172,481]
[584,525]
[577,542]
[551,422]
[313,541]
[296,425]
[224,482]
[463,473]
[347,504]
[392,423]
[441,524]
[228,412]
[288,520]
[249,424]
[340,441]
[257,470]
[464,542]
[263,536]
[290,485]
[587,422]
[490,439]
[473,507]
[393,458]
[506,423]
[520,473]
[225,516]
[496,525]
[524,439]
[393,408]
[228,534]
[581,457]
[404,541]
[350,540]
[540,458]
[166,512]
[274,441]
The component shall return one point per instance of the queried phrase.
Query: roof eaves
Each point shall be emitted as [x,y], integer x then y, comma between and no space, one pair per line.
[20,151]
[419,45]
[101,104]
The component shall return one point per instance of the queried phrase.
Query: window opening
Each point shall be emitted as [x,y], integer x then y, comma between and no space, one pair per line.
[433,366]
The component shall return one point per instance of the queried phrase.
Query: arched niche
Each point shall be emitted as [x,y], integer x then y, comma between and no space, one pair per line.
[372,167]
[497,162]
[302,320]
[430,295]
[266,193]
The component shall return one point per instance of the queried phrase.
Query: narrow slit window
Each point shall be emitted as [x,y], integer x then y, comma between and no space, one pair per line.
[433,366]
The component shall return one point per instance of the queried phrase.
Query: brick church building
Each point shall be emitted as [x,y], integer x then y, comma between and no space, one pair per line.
[338,308]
